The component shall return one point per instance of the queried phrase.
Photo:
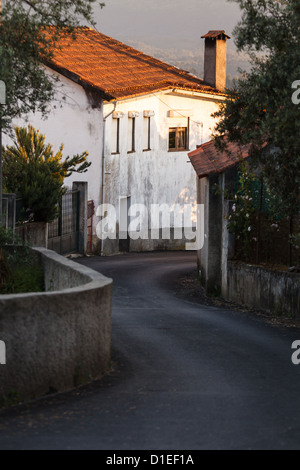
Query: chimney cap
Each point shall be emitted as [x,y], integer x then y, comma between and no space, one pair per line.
[216,34]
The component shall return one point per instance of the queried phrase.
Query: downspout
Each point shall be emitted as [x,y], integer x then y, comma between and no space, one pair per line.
[103,165]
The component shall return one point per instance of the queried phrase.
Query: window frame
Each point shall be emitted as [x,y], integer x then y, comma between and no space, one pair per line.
[177,130]
[117,136]
[132,139]
[148,119]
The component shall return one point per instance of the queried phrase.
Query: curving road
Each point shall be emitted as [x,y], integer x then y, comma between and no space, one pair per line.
[185,376]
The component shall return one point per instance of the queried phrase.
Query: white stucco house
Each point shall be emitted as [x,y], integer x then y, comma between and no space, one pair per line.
[137,117]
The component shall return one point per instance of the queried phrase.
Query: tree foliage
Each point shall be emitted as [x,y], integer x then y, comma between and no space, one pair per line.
[259,109]
[24,46]
[33,169]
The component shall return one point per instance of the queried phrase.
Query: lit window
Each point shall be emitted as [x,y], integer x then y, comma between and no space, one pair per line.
[178,138]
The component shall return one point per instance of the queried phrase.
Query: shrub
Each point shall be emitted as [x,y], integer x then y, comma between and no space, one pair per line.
[31,167]
[19,271]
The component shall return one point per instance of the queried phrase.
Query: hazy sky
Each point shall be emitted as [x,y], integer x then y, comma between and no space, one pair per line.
[167,23]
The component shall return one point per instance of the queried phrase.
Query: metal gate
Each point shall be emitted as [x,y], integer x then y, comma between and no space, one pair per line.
[63,233]
[12,208]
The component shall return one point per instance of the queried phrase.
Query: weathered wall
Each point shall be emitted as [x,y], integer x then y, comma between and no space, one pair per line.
[60,338]
[34,234]
[210,256]
[218,244]
[156,176]
[255,287]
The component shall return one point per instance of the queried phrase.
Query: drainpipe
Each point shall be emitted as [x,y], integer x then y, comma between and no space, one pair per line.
[103,165]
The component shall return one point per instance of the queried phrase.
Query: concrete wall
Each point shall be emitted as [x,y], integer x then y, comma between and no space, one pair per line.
[33,234]
[252,286]
[219,244]
[255,287]
[156,176]
[58,339]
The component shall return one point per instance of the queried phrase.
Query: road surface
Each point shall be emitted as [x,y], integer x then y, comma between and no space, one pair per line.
[185,376]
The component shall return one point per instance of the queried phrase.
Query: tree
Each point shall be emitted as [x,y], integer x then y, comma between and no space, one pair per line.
[31,168]
[259,109]
[24,46]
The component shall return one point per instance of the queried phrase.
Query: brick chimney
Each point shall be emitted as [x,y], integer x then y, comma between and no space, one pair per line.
[215,65]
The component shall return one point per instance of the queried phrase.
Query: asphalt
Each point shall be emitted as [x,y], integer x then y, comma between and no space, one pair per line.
[184,376]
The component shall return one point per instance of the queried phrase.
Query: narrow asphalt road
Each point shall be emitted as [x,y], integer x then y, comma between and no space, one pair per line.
[184,376]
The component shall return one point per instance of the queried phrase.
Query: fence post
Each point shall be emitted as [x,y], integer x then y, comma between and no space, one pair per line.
[11,211]
[9,201]
[82,187]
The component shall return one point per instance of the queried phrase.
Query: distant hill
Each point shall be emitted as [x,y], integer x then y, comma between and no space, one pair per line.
[192,60]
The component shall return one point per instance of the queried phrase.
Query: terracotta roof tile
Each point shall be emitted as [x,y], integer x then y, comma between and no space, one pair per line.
[215,34]
[207,160]
[115,69]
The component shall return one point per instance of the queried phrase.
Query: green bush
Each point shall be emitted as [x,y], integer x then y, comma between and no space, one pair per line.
[24,279]
[19,271]
[31,168]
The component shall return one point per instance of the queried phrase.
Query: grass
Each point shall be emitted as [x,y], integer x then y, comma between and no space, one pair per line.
[22,273]
[26,279]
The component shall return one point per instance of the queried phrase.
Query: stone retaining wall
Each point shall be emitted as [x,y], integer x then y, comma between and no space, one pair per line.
[260,288]
[57,339]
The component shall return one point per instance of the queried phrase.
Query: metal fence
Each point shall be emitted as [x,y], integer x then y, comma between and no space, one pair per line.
[12,208]
[271,232]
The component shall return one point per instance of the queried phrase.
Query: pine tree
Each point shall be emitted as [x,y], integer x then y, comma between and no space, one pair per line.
[33,169]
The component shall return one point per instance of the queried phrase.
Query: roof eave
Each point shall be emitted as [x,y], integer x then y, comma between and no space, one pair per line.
[80,81]
[137,93]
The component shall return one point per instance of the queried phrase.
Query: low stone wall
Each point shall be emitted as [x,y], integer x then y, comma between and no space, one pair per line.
[34,234]
[58,339]
[265,289]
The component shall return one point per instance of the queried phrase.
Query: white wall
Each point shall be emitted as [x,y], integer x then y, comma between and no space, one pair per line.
[157,176]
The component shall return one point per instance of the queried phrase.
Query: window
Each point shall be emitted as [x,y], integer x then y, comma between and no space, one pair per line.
[131,134]
[147,129]
[115,136]
[115,132]
[178,138]
[147,135]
